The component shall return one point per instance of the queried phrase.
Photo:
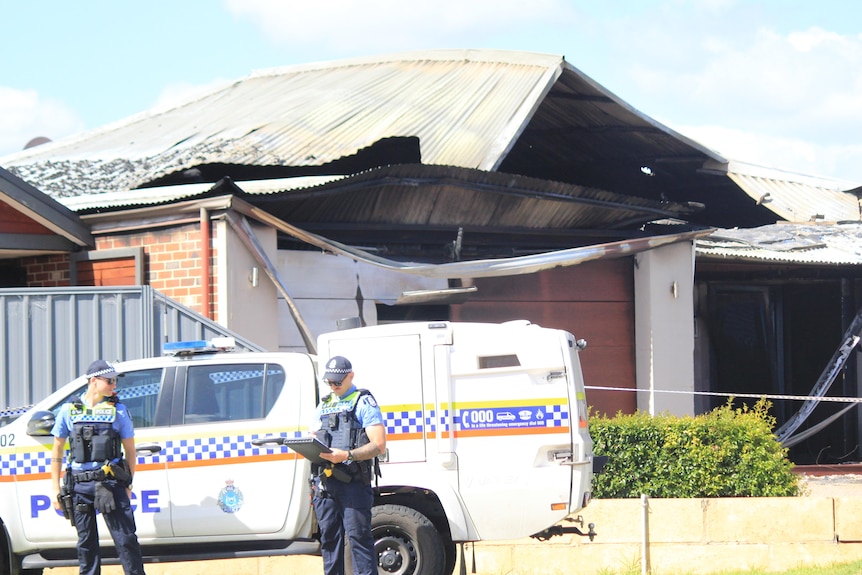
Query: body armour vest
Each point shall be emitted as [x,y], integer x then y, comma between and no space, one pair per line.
[340,428]
[93,437]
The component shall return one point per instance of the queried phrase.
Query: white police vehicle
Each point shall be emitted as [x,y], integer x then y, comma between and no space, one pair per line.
[214,481]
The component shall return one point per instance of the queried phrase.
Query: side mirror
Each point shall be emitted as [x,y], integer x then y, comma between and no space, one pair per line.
[41,423]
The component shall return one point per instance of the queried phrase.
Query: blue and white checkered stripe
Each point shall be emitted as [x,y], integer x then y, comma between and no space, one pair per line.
[214,448]
[25,463]
[183,450]
[224,447]
[406,422]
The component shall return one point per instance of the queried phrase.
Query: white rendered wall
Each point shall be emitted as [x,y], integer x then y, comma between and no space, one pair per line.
[248,309]
[326,288]
[664,329]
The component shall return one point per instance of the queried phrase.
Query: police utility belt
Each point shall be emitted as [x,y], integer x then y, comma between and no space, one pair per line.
[92,475]
[116,470]
[341,472]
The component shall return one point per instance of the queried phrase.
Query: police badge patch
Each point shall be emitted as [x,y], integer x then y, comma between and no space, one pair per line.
[230,498]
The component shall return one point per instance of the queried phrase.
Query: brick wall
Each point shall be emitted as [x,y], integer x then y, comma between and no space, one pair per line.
[172,264]
[47,271]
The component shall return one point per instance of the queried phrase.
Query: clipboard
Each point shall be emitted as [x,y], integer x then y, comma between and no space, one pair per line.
[309,447]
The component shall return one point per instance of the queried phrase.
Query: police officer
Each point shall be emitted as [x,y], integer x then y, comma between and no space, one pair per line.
[99,430]
[350,422]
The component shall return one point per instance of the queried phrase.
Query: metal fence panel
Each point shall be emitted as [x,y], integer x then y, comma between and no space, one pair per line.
[48,336]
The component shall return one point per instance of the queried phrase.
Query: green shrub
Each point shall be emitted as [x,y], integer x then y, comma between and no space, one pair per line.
[728,452]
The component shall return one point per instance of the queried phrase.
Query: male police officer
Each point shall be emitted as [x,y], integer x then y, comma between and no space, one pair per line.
[97,426]
[349,422]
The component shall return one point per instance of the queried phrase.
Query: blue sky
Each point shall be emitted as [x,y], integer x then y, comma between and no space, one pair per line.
[773,82]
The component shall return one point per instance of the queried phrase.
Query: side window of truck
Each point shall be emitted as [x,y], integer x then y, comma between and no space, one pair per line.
[137,390]
[231,392]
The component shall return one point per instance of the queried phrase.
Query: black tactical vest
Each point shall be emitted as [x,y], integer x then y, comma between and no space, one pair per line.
[93,436]
[340,428]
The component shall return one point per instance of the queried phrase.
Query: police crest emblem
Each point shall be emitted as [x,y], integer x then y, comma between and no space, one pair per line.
[230,498]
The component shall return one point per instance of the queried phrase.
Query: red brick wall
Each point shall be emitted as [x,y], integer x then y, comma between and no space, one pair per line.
[47,271]
[172,264]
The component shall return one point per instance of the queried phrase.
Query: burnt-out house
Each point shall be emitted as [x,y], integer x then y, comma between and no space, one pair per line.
[469,185]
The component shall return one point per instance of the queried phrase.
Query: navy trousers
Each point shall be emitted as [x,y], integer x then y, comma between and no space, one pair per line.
[345,508]
[120,522]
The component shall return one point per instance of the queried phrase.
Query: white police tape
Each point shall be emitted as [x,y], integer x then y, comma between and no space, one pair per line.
[725,394]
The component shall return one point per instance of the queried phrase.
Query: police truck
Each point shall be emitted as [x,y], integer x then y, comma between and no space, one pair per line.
[477,416]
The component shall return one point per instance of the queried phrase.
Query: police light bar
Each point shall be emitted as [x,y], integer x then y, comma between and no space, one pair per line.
[199,346]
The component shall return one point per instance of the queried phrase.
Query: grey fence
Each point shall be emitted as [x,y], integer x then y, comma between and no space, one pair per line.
[48,336]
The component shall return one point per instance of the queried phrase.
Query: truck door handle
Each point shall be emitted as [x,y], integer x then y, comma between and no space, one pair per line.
[148,448]
[258,441]
[563,457]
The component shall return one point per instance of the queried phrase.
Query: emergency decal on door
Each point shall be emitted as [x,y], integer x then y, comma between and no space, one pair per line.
[502,417]
[512,417]
[230,498]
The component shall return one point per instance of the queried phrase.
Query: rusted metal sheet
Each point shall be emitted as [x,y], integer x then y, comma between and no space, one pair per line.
[806,244]
[795,197]
[482,268]
[464,106]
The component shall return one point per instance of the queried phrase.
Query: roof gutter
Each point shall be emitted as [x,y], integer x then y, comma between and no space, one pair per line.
[478,268]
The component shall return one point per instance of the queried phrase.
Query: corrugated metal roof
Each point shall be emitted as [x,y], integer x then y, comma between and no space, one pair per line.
[496,267]
[818,244]
[167,194]
[408,204]
[464,106]
[516,112]
[419,195]
[795,197]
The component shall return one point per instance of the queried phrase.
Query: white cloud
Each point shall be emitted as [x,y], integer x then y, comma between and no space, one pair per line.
[791,101]
[791,154]
[27,115]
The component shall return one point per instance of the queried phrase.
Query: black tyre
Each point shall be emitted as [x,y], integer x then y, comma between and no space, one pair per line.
[451,551]
[406,542]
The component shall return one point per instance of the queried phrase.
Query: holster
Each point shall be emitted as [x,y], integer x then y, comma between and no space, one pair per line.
[120,472]
[65,499]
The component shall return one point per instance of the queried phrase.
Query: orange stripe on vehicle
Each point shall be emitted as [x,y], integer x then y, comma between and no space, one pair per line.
[231,460]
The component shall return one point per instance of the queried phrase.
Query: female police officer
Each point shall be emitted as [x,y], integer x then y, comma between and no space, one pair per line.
[98,426]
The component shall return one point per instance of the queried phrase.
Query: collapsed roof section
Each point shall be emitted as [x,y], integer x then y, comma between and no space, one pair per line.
[520,113]
[837,245]
[421,211]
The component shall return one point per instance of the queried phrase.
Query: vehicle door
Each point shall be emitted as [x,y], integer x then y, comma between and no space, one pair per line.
[139,390]
[512,437]
[390,367]
[220,483]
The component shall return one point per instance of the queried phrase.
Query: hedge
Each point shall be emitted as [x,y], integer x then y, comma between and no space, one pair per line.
[728,452]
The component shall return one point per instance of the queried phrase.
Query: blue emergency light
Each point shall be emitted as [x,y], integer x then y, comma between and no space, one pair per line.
[198,346]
